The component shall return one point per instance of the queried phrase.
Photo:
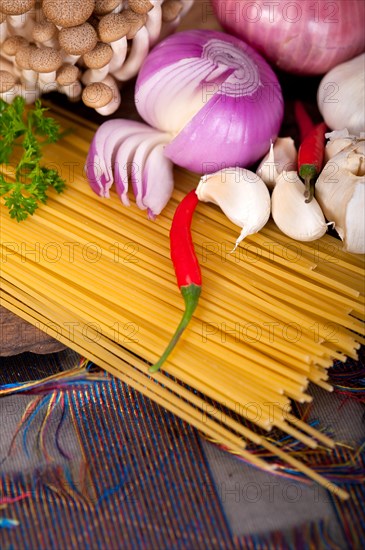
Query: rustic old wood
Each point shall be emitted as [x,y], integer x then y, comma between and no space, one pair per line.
[18,336]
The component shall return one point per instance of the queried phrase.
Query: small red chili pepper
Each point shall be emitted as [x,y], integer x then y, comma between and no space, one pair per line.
[186,266]
[310,158]
[304,121]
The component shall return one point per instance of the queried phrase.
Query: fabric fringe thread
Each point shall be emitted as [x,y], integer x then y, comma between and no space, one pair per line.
[51,393]
[115,429]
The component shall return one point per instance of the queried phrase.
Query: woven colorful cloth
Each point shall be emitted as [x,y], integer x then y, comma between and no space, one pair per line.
[95,465]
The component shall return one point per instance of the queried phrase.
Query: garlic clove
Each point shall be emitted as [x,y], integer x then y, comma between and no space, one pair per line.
[282,156]
[297,219]
[354,235]
[241,194]
[267,168]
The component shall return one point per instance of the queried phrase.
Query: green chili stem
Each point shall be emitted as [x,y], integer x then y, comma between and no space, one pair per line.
[191,294]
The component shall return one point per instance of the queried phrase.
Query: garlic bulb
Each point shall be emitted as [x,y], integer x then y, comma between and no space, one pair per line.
[282,156]
[338,140]
[241,194]
[341,96]
[340,190]
[296,218]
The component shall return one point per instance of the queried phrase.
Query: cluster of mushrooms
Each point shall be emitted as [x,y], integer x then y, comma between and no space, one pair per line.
[82,48]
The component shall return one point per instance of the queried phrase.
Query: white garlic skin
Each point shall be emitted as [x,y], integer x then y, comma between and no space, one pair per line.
[340,190]
[241,194]
[294,217]
[281,156]
[338,141]
[341,96]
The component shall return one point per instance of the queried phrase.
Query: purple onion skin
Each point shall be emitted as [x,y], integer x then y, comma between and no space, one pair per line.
[299,37]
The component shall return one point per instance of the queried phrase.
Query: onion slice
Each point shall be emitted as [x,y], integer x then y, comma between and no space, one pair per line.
[158,174]
[108,137]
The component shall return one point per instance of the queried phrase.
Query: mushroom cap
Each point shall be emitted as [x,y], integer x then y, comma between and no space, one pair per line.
[3,17]
[97,95]
[44,31]
[171,10]
[102,7]
[113,26]
[22,56]
[67,74]
[45,60]
[12,44]
[7,81]
[68,13]
[16,7]
[136,21]
[78,40]
[100,56]
[140,6]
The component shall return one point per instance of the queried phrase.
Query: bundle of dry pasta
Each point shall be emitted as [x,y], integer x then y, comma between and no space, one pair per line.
[272,317]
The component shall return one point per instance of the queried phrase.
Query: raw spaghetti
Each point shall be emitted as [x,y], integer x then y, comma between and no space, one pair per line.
[272,317]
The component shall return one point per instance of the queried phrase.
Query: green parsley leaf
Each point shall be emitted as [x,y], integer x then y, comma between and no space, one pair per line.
[31,130]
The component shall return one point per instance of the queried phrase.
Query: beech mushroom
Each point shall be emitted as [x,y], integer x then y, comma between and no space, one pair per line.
[140,6]
[22,60]
[171,10]
[46,61]
[9,89]
[7,86]
[17,11]
[114,103]
[137,54]
[68,13]
[136,22]
[154,22]
[98,95]
[113,28]
[97,61]
[102,7]
[7,65]
[139,49]
[76,41]
[12,44]
[45,34]
[67,78]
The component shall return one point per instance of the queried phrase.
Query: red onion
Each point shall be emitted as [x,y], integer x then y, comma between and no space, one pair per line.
[217,97]
[212,102]
[300,37]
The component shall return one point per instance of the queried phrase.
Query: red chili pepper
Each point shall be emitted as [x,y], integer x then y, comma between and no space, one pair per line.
[310,158]
[304,121]
[186,266]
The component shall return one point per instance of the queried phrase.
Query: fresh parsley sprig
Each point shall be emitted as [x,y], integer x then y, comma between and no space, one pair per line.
[31,130]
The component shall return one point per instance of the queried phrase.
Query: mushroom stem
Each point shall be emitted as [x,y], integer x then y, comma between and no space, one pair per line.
[73,91]
[17,22]
[6,65]
[113,105]
[95,75]
[28,76]
[3,31]
[71,59]
[30,94]
[137,54]
[120,48]
[47,78]
[154,22]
